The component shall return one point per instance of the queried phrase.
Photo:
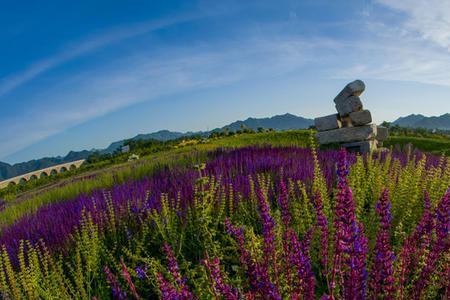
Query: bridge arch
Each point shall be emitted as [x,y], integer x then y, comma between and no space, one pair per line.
[50,171]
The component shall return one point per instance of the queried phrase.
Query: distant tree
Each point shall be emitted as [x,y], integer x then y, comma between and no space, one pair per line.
[386,124]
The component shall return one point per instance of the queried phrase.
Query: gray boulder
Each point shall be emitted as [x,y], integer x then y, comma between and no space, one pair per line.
[347,135]
[354,88]
[349,105]
[328,122]
[359,118]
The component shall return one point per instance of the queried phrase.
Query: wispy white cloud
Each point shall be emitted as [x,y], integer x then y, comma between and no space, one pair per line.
[413,45]
[141,77]
[84,47]
[430,19]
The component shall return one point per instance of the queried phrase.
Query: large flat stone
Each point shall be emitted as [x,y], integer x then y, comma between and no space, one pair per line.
[361,147]
[382,133]
[354,88]
[327,123]
[360,118]
[347,135]
[349,105]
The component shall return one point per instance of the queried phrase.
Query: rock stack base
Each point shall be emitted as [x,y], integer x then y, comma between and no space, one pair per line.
[351,127]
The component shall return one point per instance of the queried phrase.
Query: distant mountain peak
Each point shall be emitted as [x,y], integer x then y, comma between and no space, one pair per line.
[278,122]
[420,121]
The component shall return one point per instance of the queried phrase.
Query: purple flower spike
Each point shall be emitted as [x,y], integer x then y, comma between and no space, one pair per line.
[322,224]
[382,277]
[268,228]
[173,269]
[117,293]
[283,200]
[349,261]
[440,246]
[244,255]
[226,291]
[356,282]
[168,291]
[304,285]
[141,272]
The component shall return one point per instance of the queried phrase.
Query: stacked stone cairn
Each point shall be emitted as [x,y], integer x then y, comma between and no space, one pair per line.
[352,126]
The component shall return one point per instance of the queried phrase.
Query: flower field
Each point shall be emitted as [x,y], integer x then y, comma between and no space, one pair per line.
[250,223]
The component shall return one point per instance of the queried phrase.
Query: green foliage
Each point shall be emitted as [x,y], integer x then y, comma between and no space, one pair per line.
[433,145]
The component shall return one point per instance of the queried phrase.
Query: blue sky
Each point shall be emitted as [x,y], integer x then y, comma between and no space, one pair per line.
[81,74]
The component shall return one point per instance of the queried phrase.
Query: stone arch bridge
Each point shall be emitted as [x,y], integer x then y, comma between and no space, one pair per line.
[53,170]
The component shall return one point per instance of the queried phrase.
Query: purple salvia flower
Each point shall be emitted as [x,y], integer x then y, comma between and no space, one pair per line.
[322,224]
[172,264]
[226,291]
[304,285]
[244,255]
[268,228]
[410,253]
[440,246]
[129,234]
[173,269]
[257,273]
[356,283]
[344,222]
[283,200]
[128,279]
[238,234]
[349,240]
[141,272]
[168,291]
[426,224]
[269,254]
[382,277]
[117,293]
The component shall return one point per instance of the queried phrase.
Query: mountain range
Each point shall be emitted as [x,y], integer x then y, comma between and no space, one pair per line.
[420,121]
[280,122]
